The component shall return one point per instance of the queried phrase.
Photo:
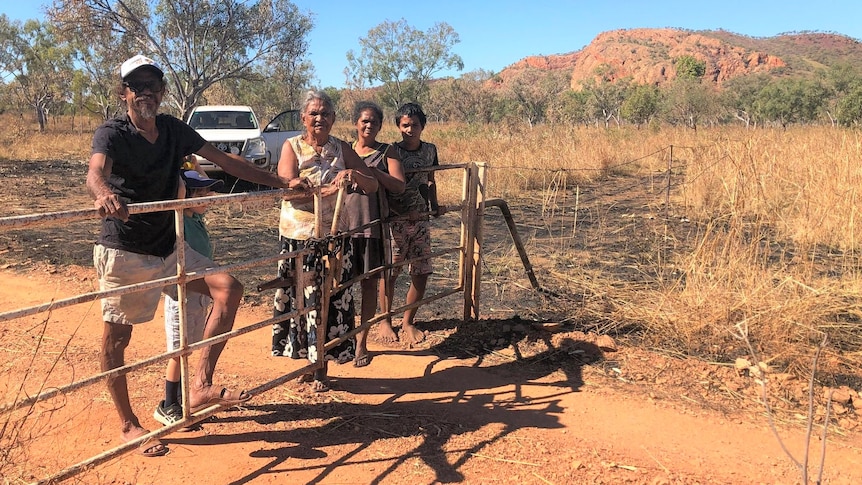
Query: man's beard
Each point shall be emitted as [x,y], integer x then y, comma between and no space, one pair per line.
[145,111]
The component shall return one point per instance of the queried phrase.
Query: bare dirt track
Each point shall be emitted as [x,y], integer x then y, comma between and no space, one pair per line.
[502,400]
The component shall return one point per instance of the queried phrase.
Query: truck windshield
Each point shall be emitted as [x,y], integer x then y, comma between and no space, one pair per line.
[223,120]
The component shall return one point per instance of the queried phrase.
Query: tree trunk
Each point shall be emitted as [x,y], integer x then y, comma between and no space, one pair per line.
[41,118]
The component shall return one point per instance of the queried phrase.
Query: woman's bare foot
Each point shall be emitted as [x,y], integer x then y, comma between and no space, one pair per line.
[410,334]
[385,332]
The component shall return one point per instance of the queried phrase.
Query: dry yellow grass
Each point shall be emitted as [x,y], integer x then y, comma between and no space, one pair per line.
[769,238]
[775,245]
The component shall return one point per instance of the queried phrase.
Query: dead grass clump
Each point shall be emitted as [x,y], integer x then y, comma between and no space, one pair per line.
[803,181]
[726,281]
[65,138]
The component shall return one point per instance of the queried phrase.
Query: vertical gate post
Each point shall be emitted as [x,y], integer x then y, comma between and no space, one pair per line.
[468,230]
[478,234]
[185,375]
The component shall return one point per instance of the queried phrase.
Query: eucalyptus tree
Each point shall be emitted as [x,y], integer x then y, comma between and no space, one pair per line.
[467,98]
[642,104]
[607,93]
[575,107]
[689,101]
[841,80]
[97,56]
[849,107]
[38,65]
[791,100]
[199,43]
[269,89]
[402,59]
[738,96]
[537,93]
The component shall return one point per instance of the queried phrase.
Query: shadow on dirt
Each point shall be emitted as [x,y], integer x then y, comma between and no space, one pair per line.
[485,398]
[433,424]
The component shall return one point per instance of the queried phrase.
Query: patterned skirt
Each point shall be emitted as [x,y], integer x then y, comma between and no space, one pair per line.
[297,337]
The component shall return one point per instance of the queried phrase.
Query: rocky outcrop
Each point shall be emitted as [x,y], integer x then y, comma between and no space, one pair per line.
[647,57]
[558,61]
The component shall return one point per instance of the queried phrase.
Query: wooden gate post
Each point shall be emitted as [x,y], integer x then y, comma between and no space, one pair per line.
[481,179]
[468,231]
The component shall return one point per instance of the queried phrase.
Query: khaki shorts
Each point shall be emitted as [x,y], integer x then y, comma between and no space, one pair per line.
[116,268]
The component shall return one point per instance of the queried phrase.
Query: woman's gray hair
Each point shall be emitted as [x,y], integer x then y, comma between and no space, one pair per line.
[313,95]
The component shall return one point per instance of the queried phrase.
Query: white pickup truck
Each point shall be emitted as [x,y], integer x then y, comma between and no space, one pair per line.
[235,129]
[285,125]
[232,129]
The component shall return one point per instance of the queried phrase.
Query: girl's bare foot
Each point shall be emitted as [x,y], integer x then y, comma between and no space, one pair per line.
[385,332]
[410,334]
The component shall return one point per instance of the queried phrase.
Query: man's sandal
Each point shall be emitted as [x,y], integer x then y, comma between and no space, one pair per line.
[210,396]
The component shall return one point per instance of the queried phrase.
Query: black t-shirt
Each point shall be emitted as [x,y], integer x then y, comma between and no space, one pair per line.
[144,172]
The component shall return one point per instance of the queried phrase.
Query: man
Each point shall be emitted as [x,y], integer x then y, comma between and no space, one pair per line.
[137,158]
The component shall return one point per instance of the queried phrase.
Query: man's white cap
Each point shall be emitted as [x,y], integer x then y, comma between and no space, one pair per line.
[138,62]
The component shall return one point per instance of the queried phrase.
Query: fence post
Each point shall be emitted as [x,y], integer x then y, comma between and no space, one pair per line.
[478,235]
[667,193]
[468,231]
[185,375]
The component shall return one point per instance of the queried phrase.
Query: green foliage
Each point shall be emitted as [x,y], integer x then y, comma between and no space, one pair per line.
[533,93]
[199,43]
[606,94]
[642,104]
[461,99]
[267,92]
[688,67]
[849,109]
[740,94]
[689,101]
[403,60]
[575,107]
[333,93]
[38,63]
[842,77]
[791,100]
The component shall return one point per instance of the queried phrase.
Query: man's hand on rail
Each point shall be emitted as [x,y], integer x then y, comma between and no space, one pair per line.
[110,205]
[300,183]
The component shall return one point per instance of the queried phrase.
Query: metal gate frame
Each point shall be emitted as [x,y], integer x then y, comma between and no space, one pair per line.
[472,207]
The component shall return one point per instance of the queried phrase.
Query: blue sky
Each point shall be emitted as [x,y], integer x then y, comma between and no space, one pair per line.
[495,34]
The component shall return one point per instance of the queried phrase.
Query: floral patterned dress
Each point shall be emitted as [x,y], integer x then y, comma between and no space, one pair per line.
[297,338]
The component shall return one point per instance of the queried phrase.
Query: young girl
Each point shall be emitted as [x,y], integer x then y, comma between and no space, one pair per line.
[170,410]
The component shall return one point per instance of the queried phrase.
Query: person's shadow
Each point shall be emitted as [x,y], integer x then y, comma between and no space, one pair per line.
[438,407]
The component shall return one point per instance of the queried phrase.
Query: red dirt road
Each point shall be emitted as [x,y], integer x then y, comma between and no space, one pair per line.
[435,414]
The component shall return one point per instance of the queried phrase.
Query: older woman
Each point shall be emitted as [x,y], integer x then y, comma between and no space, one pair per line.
[325,161]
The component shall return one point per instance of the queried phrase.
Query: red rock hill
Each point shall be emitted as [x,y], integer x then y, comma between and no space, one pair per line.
[647,55]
